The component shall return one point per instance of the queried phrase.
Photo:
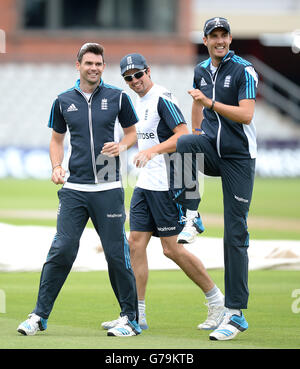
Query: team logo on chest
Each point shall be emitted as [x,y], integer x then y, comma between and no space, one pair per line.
[146,114]
[227,81]
[104,104]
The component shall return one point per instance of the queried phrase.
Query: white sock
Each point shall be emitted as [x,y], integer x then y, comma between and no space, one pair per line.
[141,306]
[191,213]
[235,312]
[215,296]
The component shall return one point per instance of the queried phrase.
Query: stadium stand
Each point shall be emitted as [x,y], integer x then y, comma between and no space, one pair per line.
[38,63]
[25,109]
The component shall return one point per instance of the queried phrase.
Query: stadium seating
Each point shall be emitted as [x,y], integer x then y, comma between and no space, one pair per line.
[28,90]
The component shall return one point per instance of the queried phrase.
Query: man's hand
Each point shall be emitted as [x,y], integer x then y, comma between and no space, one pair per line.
[199,97]
[111,149]
[142,158]
[58,175]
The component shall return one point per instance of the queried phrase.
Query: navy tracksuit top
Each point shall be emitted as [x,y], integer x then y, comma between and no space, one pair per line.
[91,123]
[235,79]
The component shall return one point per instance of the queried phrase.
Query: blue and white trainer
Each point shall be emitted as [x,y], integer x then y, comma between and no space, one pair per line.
[125,328]
[193,227]
[33,324]
[112,323]
[229,328]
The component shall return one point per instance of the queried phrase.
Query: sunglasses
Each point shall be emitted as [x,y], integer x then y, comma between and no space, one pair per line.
[136,75]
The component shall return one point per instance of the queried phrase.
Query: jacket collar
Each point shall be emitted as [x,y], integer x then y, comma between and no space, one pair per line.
[77,85]
[206,63]
[228,56]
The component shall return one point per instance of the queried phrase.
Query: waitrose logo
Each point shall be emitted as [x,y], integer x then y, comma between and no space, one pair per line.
[145,135]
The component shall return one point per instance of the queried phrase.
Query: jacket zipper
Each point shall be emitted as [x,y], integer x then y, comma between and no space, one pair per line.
[213,79]
[89,102]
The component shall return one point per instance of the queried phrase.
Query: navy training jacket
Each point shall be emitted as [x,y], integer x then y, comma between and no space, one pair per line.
[235,79]
[91,123]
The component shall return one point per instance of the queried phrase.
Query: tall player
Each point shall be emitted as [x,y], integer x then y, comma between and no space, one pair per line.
[152,210]
[223,108]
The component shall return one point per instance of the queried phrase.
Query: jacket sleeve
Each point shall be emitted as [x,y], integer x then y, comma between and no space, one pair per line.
[196,81]
[248,82]
[56,119]
[169,112]
[127,115]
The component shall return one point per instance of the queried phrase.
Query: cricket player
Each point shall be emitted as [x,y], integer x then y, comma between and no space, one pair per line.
[153,211]
[92,188]
[224,95]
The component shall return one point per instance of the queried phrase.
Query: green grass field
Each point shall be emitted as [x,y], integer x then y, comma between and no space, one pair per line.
[174,305]
[274,208]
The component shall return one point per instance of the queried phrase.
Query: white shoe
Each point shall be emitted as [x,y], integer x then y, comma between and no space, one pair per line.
[33,324]
[125,328]
[193,226]
[110,324]
[215,315]
[229,328]
[214,318]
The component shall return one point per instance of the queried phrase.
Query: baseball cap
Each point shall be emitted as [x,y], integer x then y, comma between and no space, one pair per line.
[132,61]
[217,22]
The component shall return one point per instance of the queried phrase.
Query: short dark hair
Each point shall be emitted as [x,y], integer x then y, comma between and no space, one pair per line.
[90,47]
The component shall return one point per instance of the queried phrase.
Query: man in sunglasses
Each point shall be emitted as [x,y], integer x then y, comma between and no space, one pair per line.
[153,211]
[224,95]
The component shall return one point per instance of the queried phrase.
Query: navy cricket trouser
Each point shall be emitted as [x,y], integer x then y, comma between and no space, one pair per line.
[237,177]
[106,210]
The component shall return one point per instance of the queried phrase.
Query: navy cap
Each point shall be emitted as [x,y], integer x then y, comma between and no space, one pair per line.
[213,23]
[132,61]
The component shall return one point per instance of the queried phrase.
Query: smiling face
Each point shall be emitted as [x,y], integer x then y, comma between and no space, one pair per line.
[141,85]
[90,68]
[217,43]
